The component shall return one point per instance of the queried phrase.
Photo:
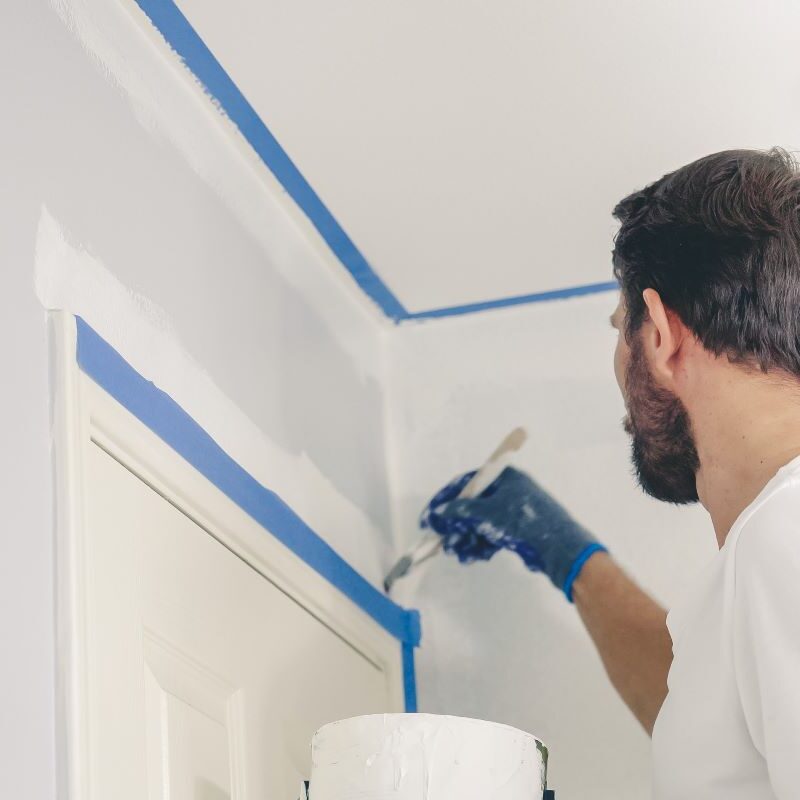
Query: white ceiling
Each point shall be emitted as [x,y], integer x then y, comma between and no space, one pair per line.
[473,150]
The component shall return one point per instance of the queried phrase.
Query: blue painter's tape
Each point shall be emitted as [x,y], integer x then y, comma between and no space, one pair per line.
[538,297]
[409,680]
[184,40]
[159,412]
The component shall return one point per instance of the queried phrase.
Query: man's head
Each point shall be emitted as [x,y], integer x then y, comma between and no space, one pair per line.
[708,261]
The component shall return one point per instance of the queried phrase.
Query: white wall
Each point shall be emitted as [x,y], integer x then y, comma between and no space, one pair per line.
[232,309]
[500,642]
[128,200]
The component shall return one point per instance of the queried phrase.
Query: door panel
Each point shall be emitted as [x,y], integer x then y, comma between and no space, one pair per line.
[205,680]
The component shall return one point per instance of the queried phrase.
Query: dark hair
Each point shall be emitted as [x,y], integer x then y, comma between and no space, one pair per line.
[719,240]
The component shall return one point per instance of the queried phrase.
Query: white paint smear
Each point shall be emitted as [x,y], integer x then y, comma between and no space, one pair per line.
[70,278]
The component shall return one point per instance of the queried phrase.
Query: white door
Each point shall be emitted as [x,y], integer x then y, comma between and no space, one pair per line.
[204,680]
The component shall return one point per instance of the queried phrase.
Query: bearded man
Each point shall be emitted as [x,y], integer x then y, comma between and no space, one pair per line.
[708,362]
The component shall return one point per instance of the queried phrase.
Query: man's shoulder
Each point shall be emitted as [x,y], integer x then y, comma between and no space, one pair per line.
[768,539]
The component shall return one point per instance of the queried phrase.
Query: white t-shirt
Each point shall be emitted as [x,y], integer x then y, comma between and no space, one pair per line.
[730,726]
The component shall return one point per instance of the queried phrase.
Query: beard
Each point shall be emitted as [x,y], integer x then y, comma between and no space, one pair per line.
[663,450]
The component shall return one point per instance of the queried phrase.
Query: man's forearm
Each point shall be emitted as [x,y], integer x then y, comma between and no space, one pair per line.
[630,632]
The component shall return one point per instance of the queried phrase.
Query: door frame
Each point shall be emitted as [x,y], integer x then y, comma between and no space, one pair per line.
[86,414]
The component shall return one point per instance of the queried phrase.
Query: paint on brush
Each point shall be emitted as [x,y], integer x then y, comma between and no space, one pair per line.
[431,543]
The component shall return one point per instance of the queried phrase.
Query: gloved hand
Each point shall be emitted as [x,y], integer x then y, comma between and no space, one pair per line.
[513,513]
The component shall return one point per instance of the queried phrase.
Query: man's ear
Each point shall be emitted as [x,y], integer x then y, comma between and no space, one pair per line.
[661,338]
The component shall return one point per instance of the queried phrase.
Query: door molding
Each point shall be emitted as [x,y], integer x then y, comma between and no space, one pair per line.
[100,400]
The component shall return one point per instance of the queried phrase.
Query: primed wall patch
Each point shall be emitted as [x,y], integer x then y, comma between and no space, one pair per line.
[69,277]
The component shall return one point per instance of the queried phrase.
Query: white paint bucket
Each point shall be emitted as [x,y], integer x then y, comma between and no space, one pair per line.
[425,757]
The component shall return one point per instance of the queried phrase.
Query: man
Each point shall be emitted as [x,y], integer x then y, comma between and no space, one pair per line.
[708,362]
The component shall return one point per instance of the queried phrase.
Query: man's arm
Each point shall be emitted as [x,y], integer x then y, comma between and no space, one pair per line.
[630,632]
[515,513]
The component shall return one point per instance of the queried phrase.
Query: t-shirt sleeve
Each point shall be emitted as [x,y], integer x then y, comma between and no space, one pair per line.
[766,638]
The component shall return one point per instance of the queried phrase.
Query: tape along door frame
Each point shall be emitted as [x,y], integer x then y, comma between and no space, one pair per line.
[85,414]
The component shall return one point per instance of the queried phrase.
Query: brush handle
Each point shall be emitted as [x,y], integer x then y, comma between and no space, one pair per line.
[493,465]
[430,544]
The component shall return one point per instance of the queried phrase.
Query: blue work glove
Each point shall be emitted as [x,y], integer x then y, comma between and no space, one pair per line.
[513,513]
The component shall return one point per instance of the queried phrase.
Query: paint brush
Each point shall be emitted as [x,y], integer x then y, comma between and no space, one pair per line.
[431,543]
